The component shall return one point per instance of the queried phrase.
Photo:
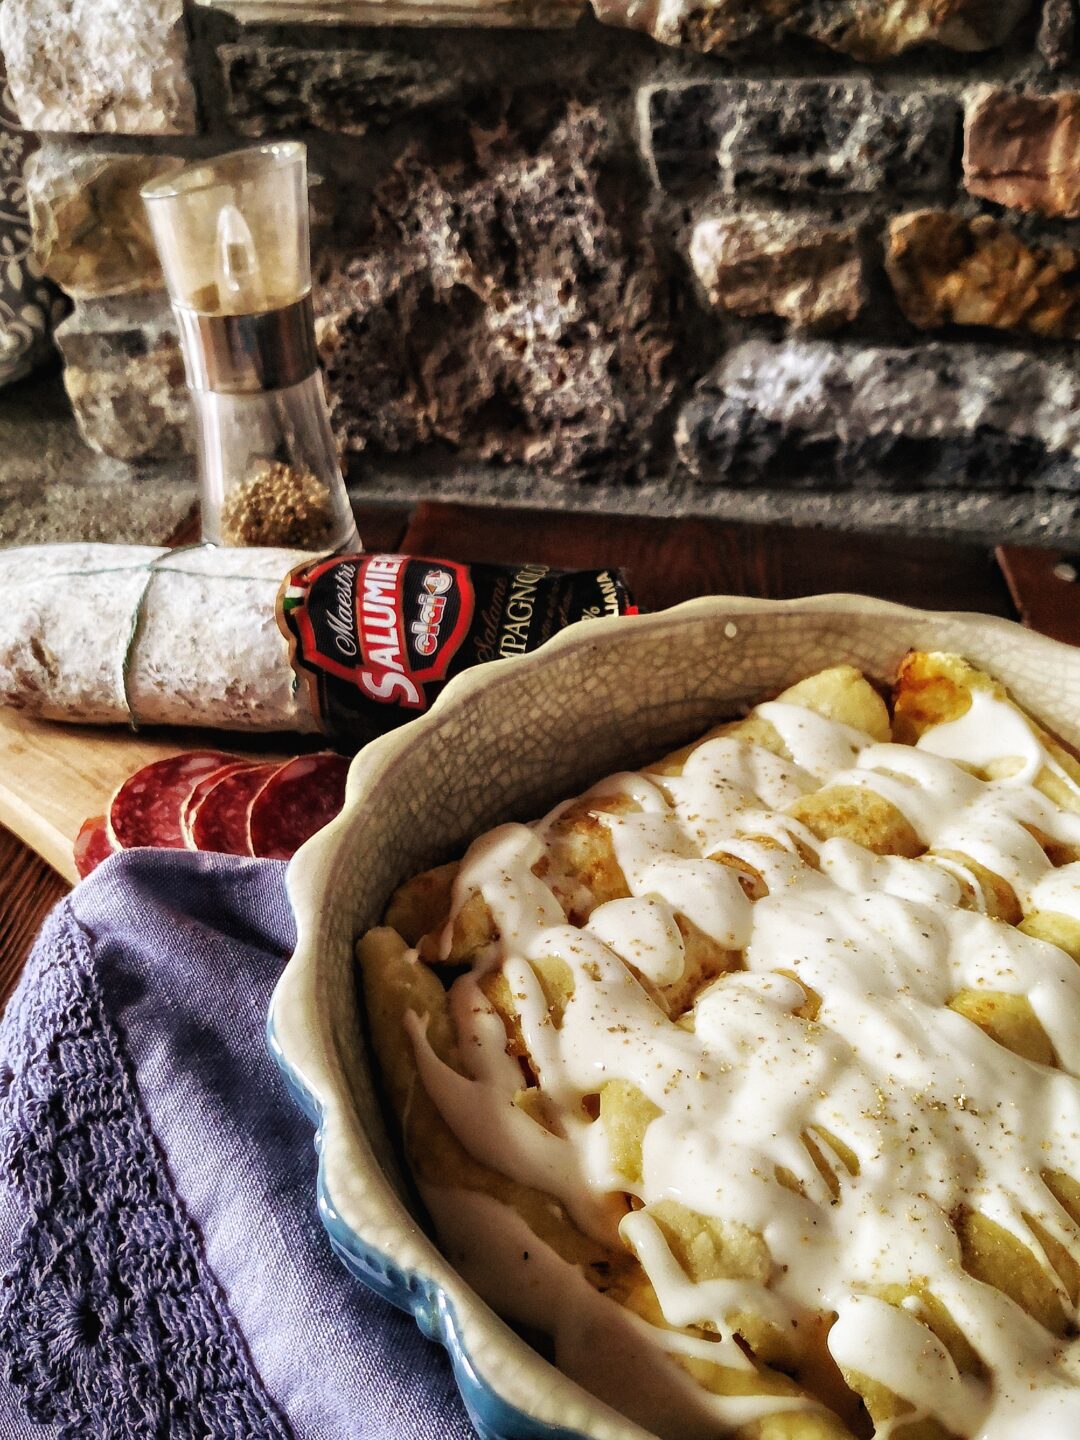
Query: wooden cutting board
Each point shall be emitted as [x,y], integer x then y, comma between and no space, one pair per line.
[53,777]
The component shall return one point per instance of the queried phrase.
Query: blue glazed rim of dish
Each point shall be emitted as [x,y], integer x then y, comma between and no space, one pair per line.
[418,1295]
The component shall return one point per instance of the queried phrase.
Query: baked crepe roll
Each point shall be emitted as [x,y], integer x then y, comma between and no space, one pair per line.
[578,861]
[748,1050]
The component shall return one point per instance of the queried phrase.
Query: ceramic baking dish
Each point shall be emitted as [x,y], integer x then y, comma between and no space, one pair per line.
[504,742]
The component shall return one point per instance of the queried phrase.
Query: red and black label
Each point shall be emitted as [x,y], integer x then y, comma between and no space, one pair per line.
[377,636]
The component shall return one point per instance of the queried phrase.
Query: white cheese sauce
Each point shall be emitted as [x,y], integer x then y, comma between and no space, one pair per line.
[937,1114]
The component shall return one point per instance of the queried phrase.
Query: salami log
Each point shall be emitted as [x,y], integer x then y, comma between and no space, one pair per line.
[352,645]
[146,809]
[221,821]
[111,633]
[301,798]
[92,845]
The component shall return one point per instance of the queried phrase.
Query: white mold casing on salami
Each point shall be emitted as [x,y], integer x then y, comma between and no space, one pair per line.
[208,650]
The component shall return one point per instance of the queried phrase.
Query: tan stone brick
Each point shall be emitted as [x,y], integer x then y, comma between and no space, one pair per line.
[949,270]
[99,67]
[91,233]
[872,30]
[1024,150]
[793,266]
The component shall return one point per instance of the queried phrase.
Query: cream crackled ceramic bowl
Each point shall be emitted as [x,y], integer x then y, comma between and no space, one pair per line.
[504,742]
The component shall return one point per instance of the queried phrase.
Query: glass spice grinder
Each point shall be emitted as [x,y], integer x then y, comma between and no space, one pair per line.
[232,234]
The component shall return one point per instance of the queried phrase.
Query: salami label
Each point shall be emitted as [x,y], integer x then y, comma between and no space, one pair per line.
[376,637]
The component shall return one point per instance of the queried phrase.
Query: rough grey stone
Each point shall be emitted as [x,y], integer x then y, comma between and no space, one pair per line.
[444,14]
[53,488]
[136,509]
[1040,516]
[818,136]
[508,300]
[1057,33]
[867,29]
[815,414]
[124,375]
[99,66]
[274,88]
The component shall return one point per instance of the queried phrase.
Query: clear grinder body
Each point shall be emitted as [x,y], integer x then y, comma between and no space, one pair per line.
[232,233]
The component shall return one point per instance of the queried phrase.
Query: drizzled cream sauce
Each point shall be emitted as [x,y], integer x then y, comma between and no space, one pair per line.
[937,1113]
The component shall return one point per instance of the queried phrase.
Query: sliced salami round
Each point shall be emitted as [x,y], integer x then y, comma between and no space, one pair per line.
[199,791]
[221,821]
[301,798]
[146,808]
[92,845]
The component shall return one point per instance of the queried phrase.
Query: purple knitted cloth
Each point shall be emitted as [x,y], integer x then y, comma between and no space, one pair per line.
[164,1270]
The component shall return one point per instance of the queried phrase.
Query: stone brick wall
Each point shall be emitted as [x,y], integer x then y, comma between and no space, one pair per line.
[686,251]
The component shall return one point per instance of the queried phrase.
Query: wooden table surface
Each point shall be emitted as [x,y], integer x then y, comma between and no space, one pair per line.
[667,561]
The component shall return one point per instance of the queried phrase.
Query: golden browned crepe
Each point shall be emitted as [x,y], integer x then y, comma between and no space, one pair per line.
[750,1078]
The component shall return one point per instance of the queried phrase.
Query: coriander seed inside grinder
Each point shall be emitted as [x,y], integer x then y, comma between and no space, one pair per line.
[232,234]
